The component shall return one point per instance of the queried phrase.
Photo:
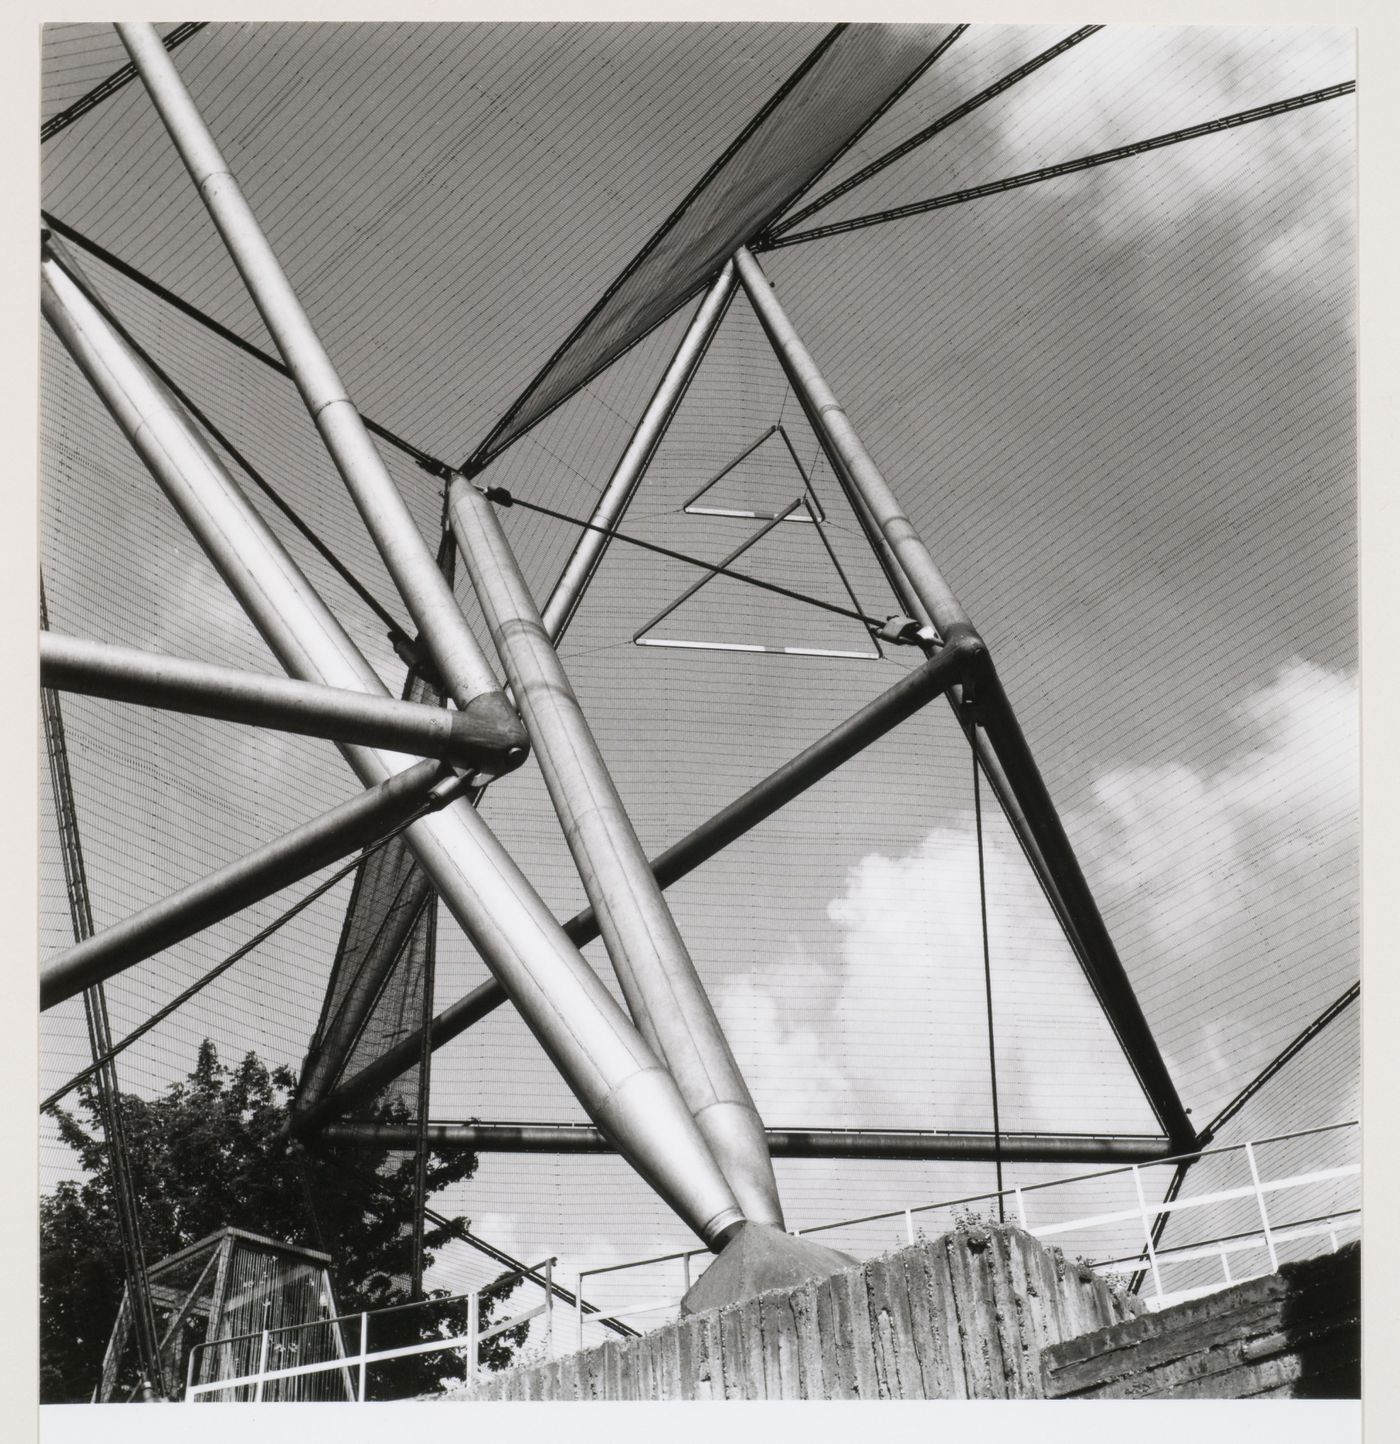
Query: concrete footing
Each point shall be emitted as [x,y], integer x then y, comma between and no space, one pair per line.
[759,1259]
[963,1316]
[984,1312]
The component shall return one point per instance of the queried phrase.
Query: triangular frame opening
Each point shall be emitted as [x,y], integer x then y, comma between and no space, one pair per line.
[810,511]
[642,638]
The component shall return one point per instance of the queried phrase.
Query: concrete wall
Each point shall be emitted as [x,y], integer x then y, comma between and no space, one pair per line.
[1295,1334]
[962,1316]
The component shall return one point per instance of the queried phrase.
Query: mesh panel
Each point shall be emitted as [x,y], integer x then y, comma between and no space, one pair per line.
[376,993]
[500,125]
[381,954]
[78,59]
[843,89]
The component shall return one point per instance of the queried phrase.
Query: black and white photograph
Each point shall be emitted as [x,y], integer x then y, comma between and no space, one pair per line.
[699,713]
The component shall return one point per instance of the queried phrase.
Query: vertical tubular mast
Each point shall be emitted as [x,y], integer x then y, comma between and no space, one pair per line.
[627,477]
[658,978]
[612,1072]
[449,640]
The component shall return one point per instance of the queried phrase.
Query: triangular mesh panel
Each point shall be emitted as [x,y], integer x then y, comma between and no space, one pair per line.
[375,996]
[839,89]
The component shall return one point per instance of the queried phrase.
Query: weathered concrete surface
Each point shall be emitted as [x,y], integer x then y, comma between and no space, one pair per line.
[1295,1334]
[963,1316]
[757,1259]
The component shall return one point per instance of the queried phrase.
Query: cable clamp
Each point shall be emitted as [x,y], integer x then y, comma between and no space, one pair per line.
[901,630]
[449,790]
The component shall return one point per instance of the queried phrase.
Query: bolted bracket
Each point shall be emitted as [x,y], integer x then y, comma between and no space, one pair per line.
[412,654]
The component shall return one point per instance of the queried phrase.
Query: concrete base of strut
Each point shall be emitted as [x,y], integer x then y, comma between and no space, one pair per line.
[962,1316]
[756,1259]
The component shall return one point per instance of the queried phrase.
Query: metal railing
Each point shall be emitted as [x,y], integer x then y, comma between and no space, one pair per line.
[1146,1255]
[357,1365]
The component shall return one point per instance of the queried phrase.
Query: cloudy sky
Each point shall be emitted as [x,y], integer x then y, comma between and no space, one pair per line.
[1119,407]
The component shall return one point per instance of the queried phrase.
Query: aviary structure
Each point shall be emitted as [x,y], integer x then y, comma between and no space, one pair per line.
[1106,413]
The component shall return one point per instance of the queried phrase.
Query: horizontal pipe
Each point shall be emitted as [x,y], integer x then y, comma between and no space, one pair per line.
[480,739]
[761,801]
[260,874]
[910,1144]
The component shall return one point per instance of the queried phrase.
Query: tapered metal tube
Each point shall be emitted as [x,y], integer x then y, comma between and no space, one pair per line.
[761,801]
[459,658]
[260,874]
[663,991]
[484,744]
[911,1144]
[614,1074]
[627,477]
[1015,815]
[840,441]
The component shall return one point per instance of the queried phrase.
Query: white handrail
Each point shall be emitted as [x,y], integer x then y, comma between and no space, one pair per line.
[1256,1189]
[472,1340]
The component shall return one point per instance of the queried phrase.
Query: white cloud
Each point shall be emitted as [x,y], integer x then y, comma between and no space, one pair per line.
[1128,83]
[1232,890]
[895,1034]
[1218,883]
[1281,815]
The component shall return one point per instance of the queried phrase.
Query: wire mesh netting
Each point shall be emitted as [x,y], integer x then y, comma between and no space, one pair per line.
[1117,406]
[383,965]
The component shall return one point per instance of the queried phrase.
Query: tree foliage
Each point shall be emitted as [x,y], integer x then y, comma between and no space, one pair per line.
[208,1153]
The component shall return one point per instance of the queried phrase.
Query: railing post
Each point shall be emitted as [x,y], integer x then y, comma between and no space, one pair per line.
[262,1366]
[473,1328]
[549,1308]
[364,1349]
[189,1373]
[685,1269]
[1263,1211]
[909,1223]
[1332,1234]
[1225,1263]
[578,1308]
[1021,1209]
[1147,1232]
